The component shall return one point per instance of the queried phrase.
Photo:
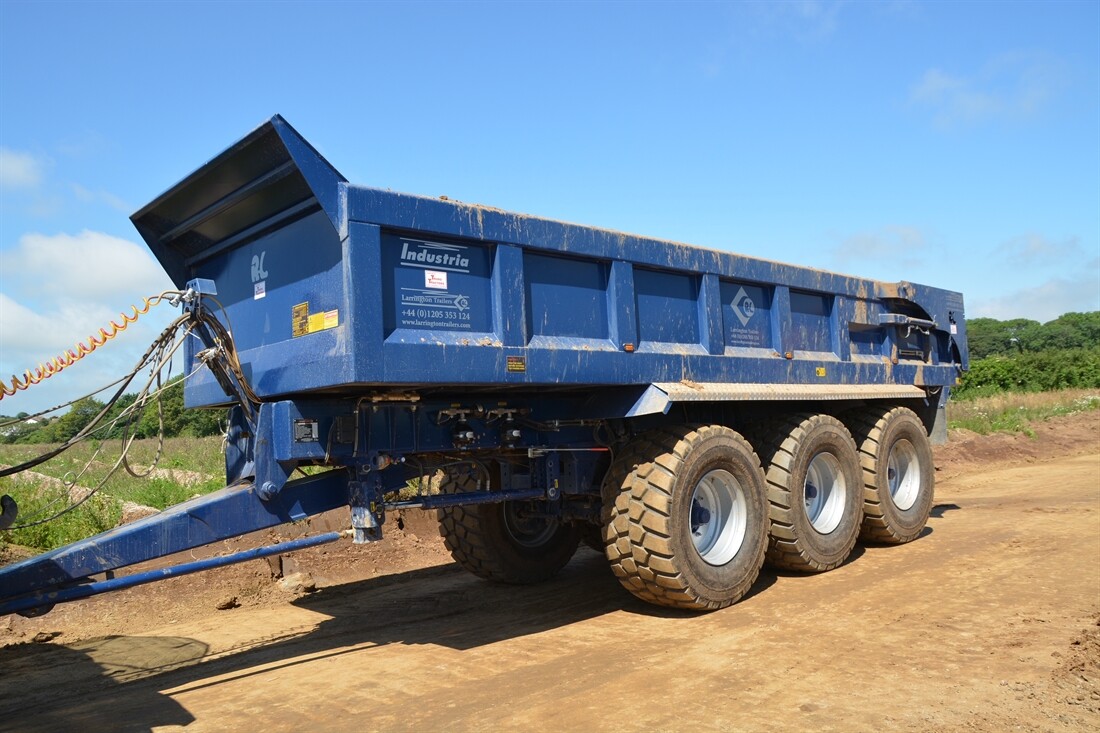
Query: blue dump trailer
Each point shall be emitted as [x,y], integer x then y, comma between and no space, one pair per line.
[690,413]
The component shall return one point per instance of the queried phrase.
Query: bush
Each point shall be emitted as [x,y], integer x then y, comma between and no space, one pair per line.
[177,420]
[1041,371]
[98,514]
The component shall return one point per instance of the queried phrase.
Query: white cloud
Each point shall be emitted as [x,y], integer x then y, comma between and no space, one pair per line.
[19,170]
[904,245]
[1036,251]
[87,265]
[33,335]
[804,20]
[1011,87]
[22,329]
[954,96]
[1047,301]
[41,197]
[817,17]
[45,206]
[43,332]
[83,145]
[58,290]
[101,197]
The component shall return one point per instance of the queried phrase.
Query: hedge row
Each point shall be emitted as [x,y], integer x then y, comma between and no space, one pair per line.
[1032,371]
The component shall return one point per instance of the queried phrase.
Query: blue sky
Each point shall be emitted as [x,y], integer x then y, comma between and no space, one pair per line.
[955,144]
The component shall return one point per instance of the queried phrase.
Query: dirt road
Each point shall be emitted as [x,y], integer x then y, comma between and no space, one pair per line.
[988,622]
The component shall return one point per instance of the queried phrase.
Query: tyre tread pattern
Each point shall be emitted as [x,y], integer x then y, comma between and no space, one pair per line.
[778,445]
[477,546]
[462,532]
[637,499]
[868,427]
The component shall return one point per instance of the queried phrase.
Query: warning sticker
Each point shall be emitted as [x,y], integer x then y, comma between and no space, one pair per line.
[303,322]
[516,363]
[299,320]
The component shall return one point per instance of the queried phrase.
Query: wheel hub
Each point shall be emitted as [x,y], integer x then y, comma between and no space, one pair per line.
[903,474]
[824,491]
[700,515]
[527,530]
[719,517]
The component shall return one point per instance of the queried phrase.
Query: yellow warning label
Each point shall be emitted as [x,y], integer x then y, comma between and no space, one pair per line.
[303,322]
[299,320]
[821,371]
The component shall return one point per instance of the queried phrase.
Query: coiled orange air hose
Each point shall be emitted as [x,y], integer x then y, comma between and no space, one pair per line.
[83,348]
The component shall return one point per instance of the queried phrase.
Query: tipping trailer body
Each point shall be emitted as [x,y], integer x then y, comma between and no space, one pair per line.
[386,336]
[338,289]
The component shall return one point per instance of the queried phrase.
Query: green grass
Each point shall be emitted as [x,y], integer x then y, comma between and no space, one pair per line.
[1016,412]
[39,499]
[96,515]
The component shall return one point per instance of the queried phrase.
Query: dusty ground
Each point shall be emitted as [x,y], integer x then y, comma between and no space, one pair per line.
[989,622]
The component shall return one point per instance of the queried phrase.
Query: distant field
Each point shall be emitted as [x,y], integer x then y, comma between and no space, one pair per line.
[1013,412]
[193,466]
[189,466]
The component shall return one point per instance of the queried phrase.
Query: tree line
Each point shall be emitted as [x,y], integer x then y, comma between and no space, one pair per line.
[145,423]
[990,337]
[1021,355]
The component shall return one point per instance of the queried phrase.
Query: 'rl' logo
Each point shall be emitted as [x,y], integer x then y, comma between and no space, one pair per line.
[258,271]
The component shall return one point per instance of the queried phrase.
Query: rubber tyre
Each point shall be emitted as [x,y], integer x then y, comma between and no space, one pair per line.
[894,514]
[482,538]
[649,494]
[592,536]
[799,448]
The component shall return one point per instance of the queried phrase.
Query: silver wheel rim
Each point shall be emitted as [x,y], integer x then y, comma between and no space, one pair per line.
[719,517]
[824,492]
[529,532]
[903,474]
